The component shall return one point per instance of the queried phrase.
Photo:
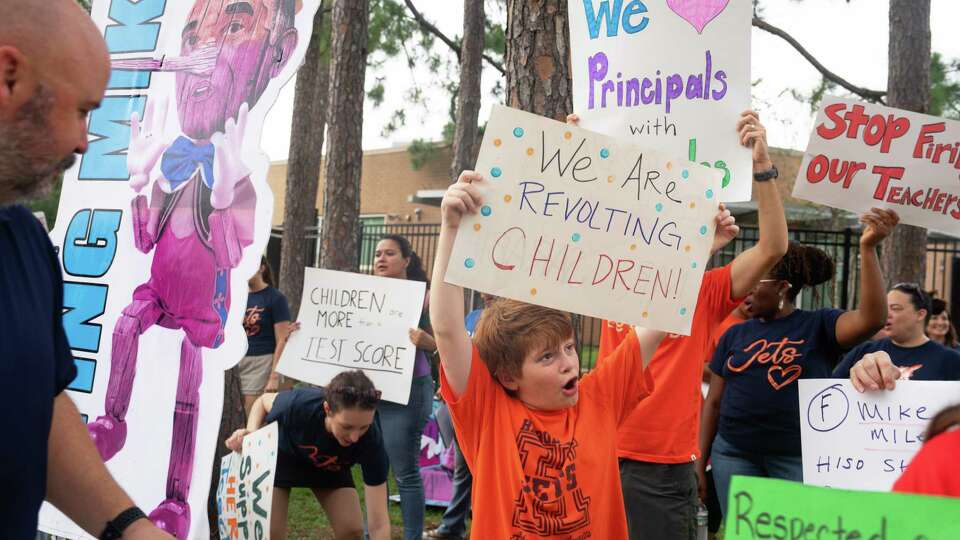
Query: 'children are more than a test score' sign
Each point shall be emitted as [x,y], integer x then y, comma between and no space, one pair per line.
[863,155]
[865,440]
[355,321]
[581,222]
[670,75]
[761,508]
[245,489]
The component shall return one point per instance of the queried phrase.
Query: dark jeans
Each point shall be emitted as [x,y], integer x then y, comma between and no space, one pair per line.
[454,521]
[728,460]
[402,427]
[660,500]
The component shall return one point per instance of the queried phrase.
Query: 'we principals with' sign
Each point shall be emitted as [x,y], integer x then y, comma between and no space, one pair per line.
[625,85]
[578,221]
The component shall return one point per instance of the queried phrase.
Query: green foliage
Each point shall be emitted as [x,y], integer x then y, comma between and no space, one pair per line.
[944,87]
[47,204]
[85,4]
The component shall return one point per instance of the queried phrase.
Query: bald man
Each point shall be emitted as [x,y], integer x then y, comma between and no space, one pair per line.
[47,88]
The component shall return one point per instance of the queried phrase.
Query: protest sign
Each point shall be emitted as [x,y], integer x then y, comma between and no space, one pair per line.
[578,221]
[159,226]
[863,155]
[767,508]
[355,321]
[245,489]
[865,440]
[672,76]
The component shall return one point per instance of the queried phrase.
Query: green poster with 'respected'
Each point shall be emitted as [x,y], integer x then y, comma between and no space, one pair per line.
[762,508]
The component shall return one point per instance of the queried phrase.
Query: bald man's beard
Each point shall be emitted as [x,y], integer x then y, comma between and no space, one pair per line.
[25,171]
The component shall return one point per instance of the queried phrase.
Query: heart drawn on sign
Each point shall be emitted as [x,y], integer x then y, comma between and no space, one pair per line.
[787,375]
[697,12]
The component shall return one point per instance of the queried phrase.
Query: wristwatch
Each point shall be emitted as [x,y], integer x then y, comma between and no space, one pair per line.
[116,526]
[767,175]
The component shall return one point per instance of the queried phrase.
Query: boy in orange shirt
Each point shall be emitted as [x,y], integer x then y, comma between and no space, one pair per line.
[541,442]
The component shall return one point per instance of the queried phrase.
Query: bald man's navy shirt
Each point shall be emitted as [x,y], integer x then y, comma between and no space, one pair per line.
[35,365]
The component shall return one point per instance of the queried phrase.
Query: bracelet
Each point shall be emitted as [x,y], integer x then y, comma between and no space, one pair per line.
[116,526]
[767,175]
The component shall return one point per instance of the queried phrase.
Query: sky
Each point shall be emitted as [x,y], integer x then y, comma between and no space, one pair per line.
[849,38]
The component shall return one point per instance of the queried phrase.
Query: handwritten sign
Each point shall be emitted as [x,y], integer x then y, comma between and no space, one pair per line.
[578,221]
[245,490]
[354,321]
[766,508]
[863,155]
[865,441]
[670,75]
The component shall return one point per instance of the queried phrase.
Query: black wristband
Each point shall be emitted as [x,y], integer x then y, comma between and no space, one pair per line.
[116,526]
[767,175]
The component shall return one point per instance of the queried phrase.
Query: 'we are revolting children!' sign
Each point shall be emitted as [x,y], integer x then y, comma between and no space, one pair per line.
[671,75]
[863,155]
[578,221]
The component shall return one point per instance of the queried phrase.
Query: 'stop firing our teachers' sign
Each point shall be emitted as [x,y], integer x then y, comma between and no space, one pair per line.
[671,75]
[578,221]
[863,155]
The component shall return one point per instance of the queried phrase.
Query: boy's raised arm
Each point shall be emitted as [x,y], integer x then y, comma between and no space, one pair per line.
[446,300]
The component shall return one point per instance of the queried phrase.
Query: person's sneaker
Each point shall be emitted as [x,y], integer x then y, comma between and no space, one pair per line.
[437,534]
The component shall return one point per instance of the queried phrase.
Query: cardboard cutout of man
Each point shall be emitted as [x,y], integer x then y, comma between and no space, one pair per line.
[199,218]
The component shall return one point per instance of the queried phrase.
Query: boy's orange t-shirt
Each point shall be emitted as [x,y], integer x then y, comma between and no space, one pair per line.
[664,428]
[548,474]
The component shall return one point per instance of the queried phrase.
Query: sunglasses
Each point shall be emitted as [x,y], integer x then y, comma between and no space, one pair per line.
[914,290]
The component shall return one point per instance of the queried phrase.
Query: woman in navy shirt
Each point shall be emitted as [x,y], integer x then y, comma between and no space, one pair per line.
[323,433]
[750,423]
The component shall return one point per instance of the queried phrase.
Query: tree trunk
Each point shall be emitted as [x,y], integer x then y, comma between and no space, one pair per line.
[339,237]
[904,255]
[233,419]
[538,57]
[303,173]
[468,98]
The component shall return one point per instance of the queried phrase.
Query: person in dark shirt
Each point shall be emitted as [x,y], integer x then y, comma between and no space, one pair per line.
[267,324]
[323,433]
[49,87]
[751,420]
[906,346]
[940,328]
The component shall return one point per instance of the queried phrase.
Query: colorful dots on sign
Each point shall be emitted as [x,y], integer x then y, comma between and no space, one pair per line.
[685,174]
[604,153]
[469,263]
[709,193]
[486,210]
[703,230]
[518,132]
[575,237]
[496,172]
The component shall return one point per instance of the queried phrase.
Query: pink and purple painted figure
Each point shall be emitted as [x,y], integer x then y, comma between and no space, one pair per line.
[200,215]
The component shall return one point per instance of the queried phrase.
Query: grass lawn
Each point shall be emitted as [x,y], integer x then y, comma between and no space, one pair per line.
[307,521]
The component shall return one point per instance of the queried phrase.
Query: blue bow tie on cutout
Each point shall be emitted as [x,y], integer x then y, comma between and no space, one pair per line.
[181,160]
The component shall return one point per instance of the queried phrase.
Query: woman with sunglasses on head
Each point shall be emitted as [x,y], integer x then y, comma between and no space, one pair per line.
[323,433]
[751,420]
[403,424]
[940,328]
[906,347]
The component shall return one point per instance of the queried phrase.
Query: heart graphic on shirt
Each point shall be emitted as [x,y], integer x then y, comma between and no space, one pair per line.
[787,375]
[697,12]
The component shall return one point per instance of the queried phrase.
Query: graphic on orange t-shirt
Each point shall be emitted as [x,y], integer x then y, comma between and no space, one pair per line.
[551,501]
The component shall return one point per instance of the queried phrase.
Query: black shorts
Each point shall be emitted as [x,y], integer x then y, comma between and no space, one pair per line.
[295,472]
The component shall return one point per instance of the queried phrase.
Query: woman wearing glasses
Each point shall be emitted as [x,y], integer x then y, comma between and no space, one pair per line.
[906,346]
[323,433]
[751,423]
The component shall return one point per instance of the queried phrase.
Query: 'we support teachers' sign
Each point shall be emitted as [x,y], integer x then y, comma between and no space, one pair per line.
[865,440]
[581,222]
[863,155]
[355,321]
[245,489]
[671,75]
